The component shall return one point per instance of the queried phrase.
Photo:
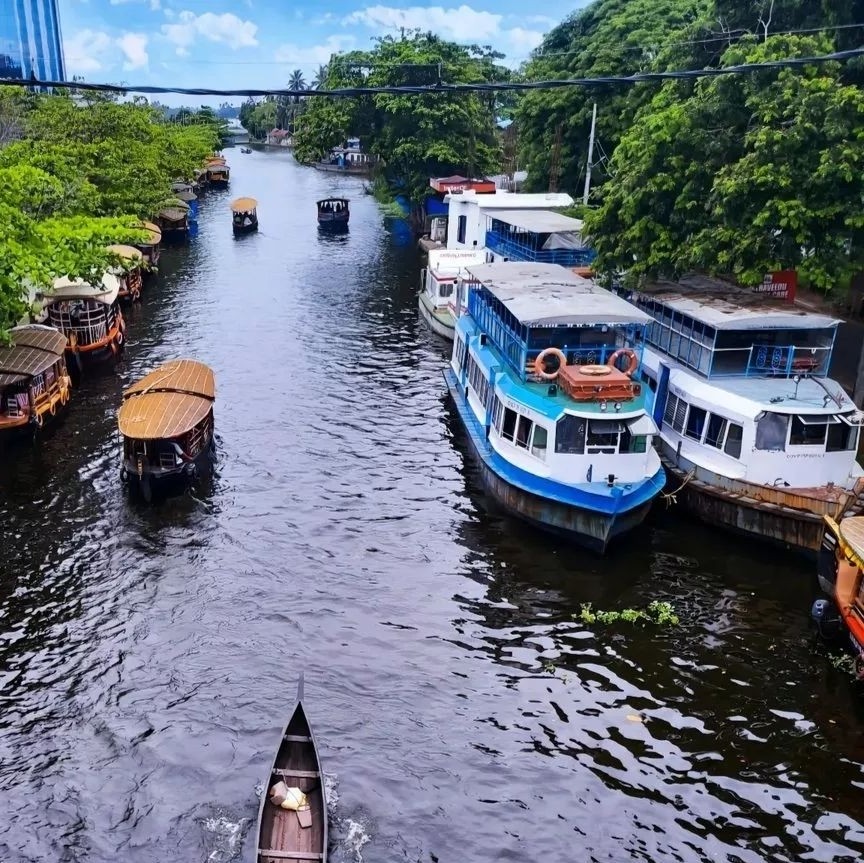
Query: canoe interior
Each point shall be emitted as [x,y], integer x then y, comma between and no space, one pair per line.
[280,829]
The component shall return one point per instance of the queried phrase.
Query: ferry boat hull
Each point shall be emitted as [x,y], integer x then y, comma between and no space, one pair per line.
[440,321]
[592,526]
[736,506]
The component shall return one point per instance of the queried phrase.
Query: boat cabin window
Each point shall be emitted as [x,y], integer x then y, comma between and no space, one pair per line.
[539,441]
[570,435]
[675,413]
[477,381]
[603,436]
[508,429]
[462,228]
[808,431]
[771,431]
[699,425]
[445,289]
[459,350]
[842,437]
[734,437]
[523,432]
[695,422]
[519,430]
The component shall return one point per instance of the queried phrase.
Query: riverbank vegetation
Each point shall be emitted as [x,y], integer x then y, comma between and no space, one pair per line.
[415,136]
[732,175]
[76,174]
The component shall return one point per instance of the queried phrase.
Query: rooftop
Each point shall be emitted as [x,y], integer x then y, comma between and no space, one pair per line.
[513,200]
[539,221]
[544,294]
[727,306]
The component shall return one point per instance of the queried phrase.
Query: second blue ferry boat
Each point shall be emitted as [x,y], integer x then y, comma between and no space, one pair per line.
[544,384]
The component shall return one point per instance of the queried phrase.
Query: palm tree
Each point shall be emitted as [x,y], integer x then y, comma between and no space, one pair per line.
[320,78]
[297,82]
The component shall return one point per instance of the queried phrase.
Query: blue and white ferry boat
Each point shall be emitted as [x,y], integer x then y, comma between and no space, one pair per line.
[545,386]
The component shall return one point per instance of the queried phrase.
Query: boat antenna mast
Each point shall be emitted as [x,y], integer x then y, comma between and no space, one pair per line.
[589,162]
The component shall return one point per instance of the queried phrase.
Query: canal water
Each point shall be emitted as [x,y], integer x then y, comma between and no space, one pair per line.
[149,655]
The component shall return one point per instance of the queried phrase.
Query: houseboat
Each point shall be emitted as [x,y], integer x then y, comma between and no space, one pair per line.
[149,247]
[348,159]
[190,200]
[841,576]
[34,384]
[173,221]
[757,437]
[218,172]
[333,213]
[131,278]
[89,317]
[166,422]
[545,388]
[437,296]
[244,215]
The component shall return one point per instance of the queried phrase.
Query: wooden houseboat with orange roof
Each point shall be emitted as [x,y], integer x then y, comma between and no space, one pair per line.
[166,421]
[89,317]
[841,576]
[34,384]
[131,278]
[173,220]
[218,172]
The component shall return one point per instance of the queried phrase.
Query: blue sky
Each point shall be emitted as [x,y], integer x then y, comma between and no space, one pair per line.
[256,43]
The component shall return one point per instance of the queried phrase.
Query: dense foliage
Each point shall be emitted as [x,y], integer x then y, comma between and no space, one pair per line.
[75,176]
[416,137]
[736,175]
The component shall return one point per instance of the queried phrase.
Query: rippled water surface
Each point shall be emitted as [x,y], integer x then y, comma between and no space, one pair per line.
[149,656]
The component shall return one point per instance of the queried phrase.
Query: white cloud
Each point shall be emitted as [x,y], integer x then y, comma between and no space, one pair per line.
[85,50]
[134,48]
[226,28]
[518,42]
[458,23]
[312,55]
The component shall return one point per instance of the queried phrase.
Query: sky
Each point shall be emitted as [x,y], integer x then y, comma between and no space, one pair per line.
[257,43]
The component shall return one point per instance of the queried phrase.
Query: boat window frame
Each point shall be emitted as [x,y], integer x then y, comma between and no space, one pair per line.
[692,411]
[461,229]
[805,425]
[720,438]
[739,441]
[536,449]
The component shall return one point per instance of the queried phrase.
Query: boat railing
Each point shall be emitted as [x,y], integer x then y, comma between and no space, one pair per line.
[516,248]
[772,360]
[13,406]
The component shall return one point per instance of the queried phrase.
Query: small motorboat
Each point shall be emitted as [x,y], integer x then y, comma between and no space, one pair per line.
[292,818]
[333,212]
[244,215]
[246,150]
[166,421]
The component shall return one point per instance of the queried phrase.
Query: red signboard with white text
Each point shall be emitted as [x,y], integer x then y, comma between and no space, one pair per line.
[781,284]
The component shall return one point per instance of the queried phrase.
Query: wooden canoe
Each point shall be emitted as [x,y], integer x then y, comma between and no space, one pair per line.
[285,835]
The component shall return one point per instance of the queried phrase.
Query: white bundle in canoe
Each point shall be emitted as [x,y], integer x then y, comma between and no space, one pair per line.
[288,798]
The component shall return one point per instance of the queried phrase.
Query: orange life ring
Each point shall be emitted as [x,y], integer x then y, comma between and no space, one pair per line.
[624,352]
[595,371]
[540,368]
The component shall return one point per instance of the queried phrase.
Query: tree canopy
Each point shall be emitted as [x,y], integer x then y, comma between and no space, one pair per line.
[76,176]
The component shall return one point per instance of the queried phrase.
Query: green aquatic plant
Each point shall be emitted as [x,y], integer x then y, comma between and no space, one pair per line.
[659,613]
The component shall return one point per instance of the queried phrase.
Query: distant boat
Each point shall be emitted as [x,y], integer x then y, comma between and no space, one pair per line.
[34,384]
[292,818]
[246,150]
[218,172]
[244,215]
[166,421]
[333,212]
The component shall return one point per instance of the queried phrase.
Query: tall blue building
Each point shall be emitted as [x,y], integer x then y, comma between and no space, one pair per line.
[30,41]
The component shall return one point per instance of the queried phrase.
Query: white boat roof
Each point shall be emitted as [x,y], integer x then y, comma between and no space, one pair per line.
[548,294]
[727,306]
[749,397]
[539,221]
[105,291]
[454,260]
[505,200]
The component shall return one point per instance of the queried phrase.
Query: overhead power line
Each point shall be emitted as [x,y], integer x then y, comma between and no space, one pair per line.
[499,86]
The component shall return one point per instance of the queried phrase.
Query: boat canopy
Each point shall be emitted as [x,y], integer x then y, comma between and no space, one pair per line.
[548,294]
[155,233]
[243,205]
[186,195]
[34,349]
[344,201]
[168,402]
[105,291]
[174,214]
[539,221]
[852,531]
[129,253]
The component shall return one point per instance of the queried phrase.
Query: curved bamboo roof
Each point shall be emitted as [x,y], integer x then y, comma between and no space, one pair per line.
[168,402]
[130,253]
[186,195]
[155,233]
[243,205]
[104,291]
[34,348]
[174,214]
[215,160]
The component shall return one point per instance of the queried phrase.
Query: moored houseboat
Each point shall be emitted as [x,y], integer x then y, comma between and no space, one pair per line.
[131,278]
[218,172]
[173,221]
[437,296]
[333,213]
[244,215]
[149,247]
[841,576]
[166,421]
[544,387]
[753,431]
[34,384]
[89,317]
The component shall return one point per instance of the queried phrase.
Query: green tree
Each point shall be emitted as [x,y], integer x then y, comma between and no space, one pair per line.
[319,81]
[742,174]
